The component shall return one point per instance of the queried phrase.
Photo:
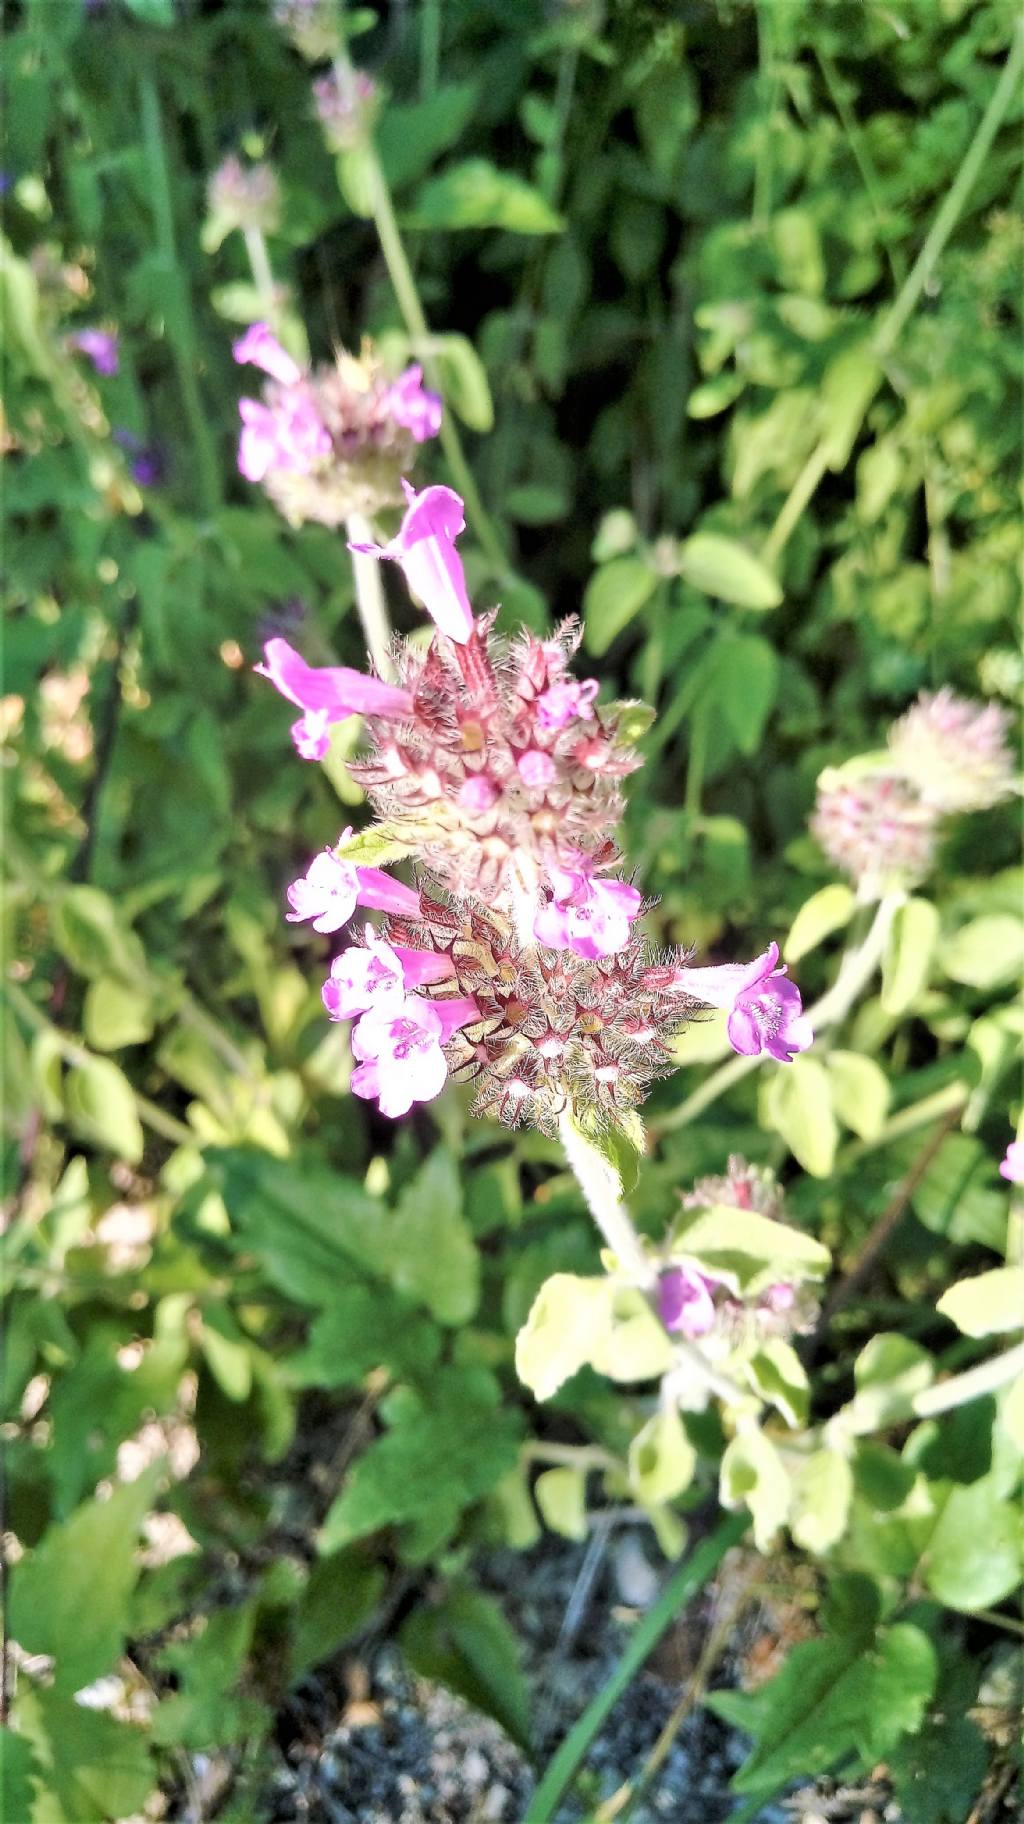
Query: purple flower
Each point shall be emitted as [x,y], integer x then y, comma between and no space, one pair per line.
[536,769]
[376,974]
[327,694]
[98,346]
[412,406]
[568,700]
[399,1047]
[591,917]
[686,1302]
[288,435]
[764,1006]
[326,895]
[425,548]
[259,347]
[146,463]
[1012,1166]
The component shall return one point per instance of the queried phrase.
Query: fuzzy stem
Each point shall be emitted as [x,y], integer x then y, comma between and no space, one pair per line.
[370,601]
[971,1385]
[599,1183]
[262,275]
[855,972]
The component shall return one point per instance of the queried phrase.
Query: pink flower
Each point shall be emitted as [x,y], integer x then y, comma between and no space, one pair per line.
[412,406]
[536,769]
[259,347]
[288,435]
[425,548]
[569,699]
[1012,1167]
[377,975]
[327,893]
[764,1006]
[478,794]
[327,693]
[592,917]
[685,1301]
[98,346]
[398,1045]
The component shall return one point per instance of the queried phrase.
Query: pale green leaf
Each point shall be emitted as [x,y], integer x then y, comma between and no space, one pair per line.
[475,194]
[986,952]
[973,1558]
[662,1460]
[91,1768]
[101,1108]
[822,1492]
[798,1104]
[987,1304]
[723,567]
[888,1372]
[615,593]
[908,955]
[750,1252]
[860,1092]
[828,910]
[116,1014]
[568,1315]
[776,1372]
[753,1475]
[561,1495]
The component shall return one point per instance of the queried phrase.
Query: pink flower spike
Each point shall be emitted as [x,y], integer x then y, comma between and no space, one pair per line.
[398,1046]
[1012,1166]
[685,1302]
[592,917]
[327,894]
[764,1006]
[364,977]
[536,769]
[259,347]
[425,548]
[412,406]
[566,701]
[328,693]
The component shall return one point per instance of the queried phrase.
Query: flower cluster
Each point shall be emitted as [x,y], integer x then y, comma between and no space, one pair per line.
[694,1303]
[241,197]
[515,964]
[333,441]
[312,26]
[879,817]
[345,103]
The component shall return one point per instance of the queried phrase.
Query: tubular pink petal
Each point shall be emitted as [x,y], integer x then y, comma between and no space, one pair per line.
[378,891]
[425,548]
[333,689]
[259,347]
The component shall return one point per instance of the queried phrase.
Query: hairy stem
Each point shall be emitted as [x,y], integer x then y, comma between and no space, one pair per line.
[262,275]
[599,1183]
[370,601]
[987,1377]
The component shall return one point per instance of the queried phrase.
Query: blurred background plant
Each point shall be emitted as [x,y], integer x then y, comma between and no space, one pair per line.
[724,309]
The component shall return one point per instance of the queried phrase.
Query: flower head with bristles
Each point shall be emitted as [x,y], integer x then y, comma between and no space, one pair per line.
[241,197]
[954,751]
[875,826]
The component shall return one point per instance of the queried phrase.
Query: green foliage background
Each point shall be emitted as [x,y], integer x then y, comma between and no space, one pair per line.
[667,251]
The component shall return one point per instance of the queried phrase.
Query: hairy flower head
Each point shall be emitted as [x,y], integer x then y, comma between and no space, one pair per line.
[955,752]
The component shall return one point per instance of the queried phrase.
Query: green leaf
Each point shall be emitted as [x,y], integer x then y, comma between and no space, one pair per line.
[988,1304]
[753,1475]
[778,1375]
[19,1771]
[375,847]
[558,1338]
[938,1773]
[410,135]
[461,1426]
[632,1346]
[723,567]
[662,1460]
[91,936]
[101,1108]
[798,1104]
[91,1769]
[296,1216]
[828,910]
[973,1559]
[152,12]
[850,383]
[615,593]
[561,1495]
[832,1697]
[908,955]
[475,194]
[364,1327]
[464,381]
[822,1492]
[750,1252]
[227,1353]
[465,1642]
[860,1092]
[715,395]
[116,1015]
[70,1597]
[960,1195]
[425,1245]
[744,686]
[888,1372]
[337,1603]
[986,952]
[207,1710]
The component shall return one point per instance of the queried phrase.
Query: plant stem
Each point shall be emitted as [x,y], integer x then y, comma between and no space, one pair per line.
[76,1054]
[906,1120]
[987,1377]
[915,283]
[572,1456]
[180,323]
[430,46]
[262,274]
[599,1183]
[370,601]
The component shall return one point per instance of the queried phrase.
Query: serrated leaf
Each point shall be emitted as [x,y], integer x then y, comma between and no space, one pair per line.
[364,1327]
[92,1769]
[426,1247]
[561,1495]
[722,567]
[465,1642]
[860,1092]
[798,1104]
[208,1709]
[613,596]
[828,910]
[101,1108]
[475,194]
[987,1304]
